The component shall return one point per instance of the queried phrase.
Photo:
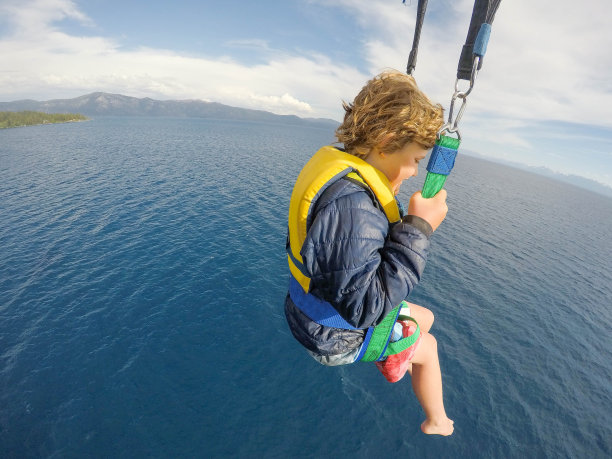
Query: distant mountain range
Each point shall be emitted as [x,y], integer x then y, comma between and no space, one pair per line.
[576,180]
[105,104]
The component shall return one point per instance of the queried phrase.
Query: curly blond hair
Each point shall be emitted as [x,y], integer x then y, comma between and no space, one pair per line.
[389,112]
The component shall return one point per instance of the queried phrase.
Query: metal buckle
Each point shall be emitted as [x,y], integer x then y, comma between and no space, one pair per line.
[452,124]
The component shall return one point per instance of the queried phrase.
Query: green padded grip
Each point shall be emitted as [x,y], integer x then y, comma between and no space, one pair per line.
[434,181]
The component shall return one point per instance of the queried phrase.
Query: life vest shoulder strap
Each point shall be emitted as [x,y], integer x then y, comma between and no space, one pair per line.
[325,167]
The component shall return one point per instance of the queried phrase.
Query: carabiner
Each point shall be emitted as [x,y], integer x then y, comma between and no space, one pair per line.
[452,124]
[473,76]
[447,128]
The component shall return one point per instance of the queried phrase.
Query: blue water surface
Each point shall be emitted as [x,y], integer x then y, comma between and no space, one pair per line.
[142,277]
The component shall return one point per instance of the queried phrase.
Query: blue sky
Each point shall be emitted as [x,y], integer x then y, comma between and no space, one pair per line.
[543,97]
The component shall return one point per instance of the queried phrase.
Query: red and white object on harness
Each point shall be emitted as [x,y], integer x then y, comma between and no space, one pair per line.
[394,367]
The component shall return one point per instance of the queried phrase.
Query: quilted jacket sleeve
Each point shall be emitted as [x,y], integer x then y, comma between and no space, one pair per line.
[357,263]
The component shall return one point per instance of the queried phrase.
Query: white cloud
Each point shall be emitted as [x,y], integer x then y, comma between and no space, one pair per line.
[48,63]
[286,101]
[547,60]
[34,19]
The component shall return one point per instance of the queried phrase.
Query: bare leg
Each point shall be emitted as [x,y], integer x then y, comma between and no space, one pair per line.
[424,318]
[427,386]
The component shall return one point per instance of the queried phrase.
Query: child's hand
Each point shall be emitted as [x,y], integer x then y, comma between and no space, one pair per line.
[431,210]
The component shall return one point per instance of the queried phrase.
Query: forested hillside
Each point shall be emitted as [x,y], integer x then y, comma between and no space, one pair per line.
[29,118]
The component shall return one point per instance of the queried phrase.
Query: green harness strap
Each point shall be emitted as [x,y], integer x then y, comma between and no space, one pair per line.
[379,346]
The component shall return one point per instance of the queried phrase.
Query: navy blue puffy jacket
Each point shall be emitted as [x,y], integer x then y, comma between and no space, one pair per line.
[358,262]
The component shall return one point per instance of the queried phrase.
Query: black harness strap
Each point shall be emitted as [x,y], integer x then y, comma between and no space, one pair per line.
[422,7]
[483,12]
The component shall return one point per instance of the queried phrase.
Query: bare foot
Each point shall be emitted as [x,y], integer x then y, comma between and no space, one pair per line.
[444,427]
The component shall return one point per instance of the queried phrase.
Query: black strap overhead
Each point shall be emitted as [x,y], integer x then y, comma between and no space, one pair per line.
[483,12]
[422,7]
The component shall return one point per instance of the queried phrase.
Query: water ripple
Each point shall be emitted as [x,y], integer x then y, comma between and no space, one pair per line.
[141,286]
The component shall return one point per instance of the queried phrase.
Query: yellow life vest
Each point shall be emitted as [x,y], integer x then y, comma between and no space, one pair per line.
[325,167]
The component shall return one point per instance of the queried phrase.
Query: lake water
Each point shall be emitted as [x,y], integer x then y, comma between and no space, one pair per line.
[142,278]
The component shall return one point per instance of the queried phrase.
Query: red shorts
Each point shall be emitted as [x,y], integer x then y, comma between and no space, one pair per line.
[395,366]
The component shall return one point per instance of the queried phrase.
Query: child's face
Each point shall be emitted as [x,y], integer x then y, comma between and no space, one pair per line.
[399,165]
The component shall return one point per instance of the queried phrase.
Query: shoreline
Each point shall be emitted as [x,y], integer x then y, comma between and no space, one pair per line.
[9,119]
[43,124]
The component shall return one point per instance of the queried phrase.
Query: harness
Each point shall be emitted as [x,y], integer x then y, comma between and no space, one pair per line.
[326,167]
[443,155]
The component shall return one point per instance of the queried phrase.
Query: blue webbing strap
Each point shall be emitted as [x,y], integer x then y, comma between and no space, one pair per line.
[317,310]
[325,314]
[442,160]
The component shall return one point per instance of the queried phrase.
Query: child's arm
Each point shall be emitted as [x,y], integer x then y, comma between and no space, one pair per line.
[360,266]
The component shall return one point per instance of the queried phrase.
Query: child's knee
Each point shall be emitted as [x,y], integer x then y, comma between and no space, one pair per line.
[427,350]
[425,319]
[429,317]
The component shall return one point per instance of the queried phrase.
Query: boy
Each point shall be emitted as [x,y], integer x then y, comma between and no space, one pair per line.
[354,257]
